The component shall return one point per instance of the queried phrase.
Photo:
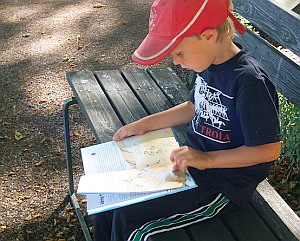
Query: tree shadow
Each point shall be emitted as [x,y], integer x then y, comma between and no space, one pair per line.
[39,45]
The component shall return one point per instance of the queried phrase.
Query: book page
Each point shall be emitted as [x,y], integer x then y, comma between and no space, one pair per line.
[151,149]
[130,181]
[132,153]
[105,157]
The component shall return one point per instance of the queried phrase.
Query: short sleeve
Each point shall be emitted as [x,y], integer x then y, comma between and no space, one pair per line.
[257,110]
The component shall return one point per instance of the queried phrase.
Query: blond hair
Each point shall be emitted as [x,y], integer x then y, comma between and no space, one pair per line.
[227,28]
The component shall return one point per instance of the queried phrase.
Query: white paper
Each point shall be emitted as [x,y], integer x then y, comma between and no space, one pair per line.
[106,157]
[111,156]
[127,181]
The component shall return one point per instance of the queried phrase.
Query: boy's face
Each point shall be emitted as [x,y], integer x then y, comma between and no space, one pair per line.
[195,52]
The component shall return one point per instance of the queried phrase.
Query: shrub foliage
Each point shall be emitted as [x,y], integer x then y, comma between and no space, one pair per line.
[290,127]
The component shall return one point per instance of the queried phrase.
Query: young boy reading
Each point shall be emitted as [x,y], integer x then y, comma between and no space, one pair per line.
[234,130]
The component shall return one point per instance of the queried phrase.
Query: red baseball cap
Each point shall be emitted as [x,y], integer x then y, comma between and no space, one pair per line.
[172,20]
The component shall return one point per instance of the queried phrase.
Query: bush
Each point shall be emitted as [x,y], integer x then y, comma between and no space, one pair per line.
[290,127]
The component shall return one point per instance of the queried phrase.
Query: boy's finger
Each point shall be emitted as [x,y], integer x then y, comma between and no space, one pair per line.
[175,167]
[118,135]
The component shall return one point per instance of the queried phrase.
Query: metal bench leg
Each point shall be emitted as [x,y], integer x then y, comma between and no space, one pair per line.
[72,194]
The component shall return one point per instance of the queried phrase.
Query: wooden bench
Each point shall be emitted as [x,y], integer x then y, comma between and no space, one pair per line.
[112,98]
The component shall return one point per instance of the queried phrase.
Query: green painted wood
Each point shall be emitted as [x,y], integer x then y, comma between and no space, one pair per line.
[146,90]
[210,230]
[170,84]
[276,213]
[281,24]
[174,90]
[93,103]
[246,225]
[151,96]
[123,100]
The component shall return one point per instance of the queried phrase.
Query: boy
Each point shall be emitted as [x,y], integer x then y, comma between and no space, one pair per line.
[234,131]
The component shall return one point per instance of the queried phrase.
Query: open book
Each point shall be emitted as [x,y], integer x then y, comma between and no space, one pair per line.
[132,170]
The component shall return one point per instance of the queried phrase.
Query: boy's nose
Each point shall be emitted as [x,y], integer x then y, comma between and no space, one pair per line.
[176,60]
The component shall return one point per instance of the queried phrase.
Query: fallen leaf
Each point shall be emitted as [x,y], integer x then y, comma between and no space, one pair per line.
[43,141]
[12,173]
[55,222]
[98,6]
[39,163]
[38,215]
[28,218]
[18,136]
[59,235]
[69,209]
[74,220]
[76,133]
[3,228]
[45,173]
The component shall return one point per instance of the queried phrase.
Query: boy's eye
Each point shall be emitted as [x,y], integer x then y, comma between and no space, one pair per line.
[179,54]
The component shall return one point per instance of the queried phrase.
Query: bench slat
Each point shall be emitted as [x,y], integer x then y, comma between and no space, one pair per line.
[281,219]
[174,90]
[147,91]
[170,84]
[281,24]
[120,95]
[246,225]
[151,96]
[93,103]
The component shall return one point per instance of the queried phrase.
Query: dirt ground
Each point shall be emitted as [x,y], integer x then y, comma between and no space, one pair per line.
[40,41]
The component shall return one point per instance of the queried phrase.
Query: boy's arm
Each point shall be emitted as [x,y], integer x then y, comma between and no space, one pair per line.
[242,156]
[178,115]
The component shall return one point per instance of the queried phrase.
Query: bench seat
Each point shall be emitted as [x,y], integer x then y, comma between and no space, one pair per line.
[112,98]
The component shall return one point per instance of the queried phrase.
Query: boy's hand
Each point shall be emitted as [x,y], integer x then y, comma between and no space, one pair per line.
[185,156]
[132,129]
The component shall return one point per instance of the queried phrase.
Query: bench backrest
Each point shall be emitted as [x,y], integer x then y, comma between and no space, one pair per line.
[282,25]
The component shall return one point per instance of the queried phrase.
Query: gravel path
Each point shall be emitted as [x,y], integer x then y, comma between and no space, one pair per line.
[40,41]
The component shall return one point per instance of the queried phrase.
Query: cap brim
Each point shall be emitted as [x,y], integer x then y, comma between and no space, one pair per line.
[152,50]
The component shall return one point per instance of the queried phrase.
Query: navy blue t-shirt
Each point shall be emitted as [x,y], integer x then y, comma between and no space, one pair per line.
[235,104]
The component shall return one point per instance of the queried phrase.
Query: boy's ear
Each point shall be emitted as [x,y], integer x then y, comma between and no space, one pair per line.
[210,34]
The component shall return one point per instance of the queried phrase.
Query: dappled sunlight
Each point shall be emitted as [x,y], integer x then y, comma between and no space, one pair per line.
[46,94]
[45,45]
[19,13]
[66,16]
[48,34]
[41,40]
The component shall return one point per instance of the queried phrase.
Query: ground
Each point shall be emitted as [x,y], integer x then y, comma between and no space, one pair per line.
[40,41]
